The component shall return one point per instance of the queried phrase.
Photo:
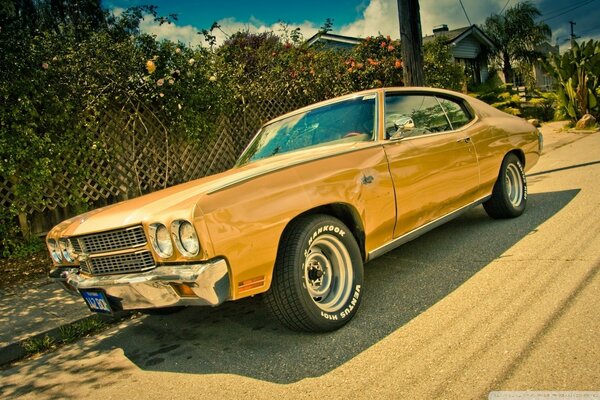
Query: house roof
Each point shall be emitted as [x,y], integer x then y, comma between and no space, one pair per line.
[454,36]
[331,37]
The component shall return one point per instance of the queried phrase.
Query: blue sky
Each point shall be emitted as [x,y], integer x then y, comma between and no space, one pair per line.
[352,17]
[204,13]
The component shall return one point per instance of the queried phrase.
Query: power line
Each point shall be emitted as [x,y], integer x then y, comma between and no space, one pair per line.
[465,11]
[573,4]
[568,11]
[501,11]
[585,32]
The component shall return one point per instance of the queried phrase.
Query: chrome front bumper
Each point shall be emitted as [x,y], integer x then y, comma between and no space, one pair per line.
[208,281]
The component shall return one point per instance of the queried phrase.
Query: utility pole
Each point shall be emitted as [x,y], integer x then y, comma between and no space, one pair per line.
[411,42]
[573,37]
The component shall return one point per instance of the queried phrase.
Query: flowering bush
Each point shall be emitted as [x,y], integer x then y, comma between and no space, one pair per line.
[55,84]
[263,66]
[375,62]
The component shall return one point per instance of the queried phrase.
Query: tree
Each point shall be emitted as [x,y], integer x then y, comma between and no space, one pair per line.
[516,36]
[577,72]
[440,69]
[412,42]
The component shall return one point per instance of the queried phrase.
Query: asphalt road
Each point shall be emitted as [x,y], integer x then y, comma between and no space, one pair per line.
[474,306]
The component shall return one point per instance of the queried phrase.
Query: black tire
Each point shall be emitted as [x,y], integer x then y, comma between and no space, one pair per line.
[318,275]
[509,195]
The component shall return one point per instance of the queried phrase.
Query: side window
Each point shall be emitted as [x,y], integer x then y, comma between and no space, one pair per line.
[408,115]
[457,113]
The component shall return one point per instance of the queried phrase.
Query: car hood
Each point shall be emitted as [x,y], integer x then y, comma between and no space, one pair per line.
[180,201]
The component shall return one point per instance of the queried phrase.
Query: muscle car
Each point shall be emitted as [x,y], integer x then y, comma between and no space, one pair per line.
[317,193]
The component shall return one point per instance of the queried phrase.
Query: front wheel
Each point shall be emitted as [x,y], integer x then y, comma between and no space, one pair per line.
[509,195]
[318,275]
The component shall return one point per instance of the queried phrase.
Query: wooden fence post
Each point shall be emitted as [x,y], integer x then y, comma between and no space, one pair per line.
[24,224]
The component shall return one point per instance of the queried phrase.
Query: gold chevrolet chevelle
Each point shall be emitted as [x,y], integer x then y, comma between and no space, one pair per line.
[316,194]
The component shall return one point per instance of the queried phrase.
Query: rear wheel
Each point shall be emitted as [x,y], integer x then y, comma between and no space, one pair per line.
[318,275]
[509,195]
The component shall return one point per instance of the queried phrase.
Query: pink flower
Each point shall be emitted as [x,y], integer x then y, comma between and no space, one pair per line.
[160,82]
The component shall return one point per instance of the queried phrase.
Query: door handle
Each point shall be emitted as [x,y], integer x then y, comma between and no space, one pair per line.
[464,140]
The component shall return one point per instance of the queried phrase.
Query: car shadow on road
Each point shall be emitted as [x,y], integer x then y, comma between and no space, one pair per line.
[242,338]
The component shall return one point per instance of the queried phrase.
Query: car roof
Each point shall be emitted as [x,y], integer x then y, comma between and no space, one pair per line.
[406,89]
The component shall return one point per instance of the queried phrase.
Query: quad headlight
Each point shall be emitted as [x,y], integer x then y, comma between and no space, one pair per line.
[55,252]
[67,250]
[185,237]
[161,240]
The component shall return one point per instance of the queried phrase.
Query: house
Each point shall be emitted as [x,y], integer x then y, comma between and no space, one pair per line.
[542,79]
[469,46]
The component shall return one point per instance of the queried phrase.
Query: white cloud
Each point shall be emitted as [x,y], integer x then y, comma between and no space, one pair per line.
[230,26]
[186,34]
[380,16]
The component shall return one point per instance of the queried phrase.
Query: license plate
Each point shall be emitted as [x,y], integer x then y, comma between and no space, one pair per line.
[96,301]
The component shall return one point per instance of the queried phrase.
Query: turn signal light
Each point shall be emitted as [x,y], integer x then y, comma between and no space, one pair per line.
[183,290]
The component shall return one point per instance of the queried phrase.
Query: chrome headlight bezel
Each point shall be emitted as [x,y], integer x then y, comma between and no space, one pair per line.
[185,237]
[161,240]
[67,250]
[54,250]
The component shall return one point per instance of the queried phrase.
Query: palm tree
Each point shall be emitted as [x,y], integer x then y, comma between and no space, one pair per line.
[516,35]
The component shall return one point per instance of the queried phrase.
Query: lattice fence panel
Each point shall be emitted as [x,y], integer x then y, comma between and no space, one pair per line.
[142,155]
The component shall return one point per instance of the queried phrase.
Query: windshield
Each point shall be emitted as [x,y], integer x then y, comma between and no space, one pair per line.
[345,121]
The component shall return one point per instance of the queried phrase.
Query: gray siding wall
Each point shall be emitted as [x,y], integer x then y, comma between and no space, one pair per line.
[468,48]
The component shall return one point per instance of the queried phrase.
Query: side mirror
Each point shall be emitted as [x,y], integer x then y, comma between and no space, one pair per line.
[401,126]
[404,124]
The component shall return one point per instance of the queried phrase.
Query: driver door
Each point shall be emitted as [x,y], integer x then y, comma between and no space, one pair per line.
[432,159]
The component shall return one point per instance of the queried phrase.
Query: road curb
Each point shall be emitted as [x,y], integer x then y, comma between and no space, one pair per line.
[16,351]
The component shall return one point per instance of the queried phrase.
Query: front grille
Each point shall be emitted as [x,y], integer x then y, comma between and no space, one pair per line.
[120,239]
[119,263]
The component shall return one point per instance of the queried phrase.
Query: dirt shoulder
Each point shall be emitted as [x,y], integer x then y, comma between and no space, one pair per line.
[19,271]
